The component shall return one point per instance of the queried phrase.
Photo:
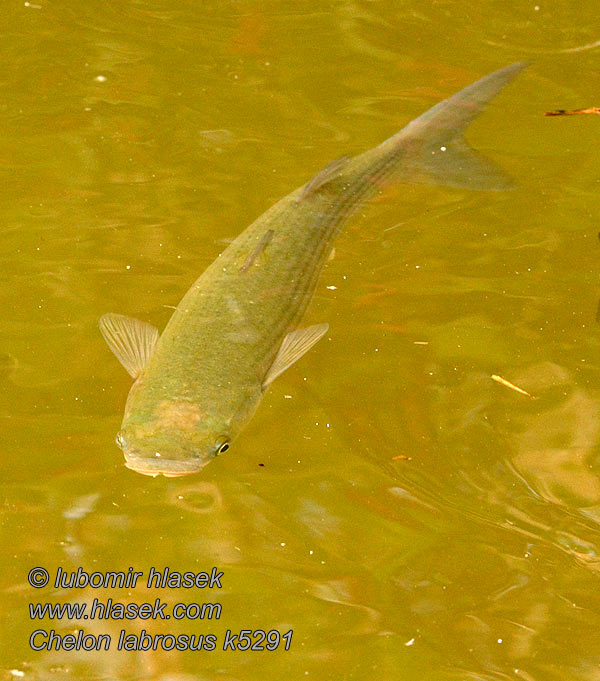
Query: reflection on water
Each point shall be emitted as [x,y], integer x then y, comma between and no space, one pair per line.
[363,562]
[404,514]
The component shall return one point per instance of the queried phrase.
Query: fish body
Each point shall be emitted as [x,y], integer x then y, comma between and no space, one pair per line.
[236,329]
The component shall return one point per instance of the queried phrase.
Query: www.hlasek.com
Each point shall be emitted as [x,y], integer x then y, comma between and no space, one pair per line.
[109,609]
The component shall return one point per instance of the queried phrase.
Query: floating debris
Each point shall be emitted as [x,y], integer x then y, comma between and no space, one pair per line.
[573,112]
[512,386]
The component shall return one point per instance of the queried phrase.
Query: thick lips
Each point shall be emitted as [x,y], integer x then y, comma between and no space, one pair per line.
[170,468]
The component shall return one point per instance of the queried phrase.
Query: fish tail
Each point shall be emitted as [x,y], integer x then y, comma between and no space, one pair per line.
[431,150]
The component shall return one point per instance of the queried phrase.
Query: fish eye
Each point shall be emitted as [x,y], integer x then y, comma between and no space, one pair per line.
[222,448]
[120,440]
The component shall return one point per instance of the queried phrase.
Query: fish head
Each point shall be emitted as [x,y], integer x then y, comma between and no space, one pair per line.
[167,454]
[178,440]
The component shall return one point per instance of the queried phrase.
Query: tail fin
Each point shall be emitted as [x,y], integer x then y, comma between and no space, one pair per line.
[432,149]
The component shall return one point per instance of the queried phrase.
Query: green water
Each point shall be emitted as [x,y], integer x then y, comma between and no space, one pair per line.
[406,516]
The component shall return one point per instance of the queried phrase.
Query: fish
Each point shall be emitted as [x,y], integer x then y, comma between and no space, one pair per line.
[237,328]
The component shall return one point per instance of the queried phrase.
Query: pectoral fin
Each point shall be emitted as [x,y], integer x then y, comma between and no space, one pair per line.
[131,340]
[295,344]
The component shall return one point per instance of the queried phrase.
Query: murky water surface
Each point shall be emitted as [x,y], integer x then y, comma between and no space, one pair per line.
[405,515]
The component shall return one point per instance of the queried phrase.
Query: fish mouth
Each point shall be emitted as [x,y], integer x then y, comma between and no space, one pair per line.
[170,468]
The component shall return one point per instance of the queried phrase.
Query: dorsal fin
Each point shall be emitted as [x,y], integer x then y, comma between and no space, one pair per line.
[258,249]
[131,340]
[323,177]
